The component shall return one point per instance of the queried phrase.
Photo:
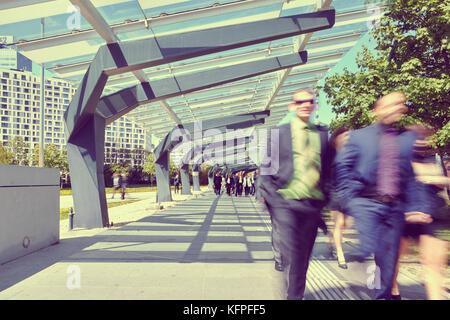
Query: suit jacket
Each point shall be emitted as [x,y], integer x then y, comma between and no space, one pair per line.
[282,163]
[357,165]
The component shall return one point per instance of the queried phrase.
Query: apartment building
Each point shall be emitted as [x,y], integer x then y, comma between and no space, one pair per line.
[20,116]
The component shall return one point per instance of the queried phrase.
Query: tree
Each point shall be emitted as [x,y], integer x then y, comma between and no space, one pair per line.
[34,156]
[203,174]
[412,55]
[149,166]
[18,150]
[53,158]
[5,155]
[119,168]
[173,169]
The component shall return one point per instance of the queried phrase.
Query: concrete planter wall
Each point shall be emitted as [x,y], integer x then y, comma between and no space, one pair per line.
[29,210]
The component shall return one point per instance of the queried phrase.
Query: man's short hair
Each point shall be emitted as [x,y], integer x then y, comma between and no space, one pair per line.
[338,131]
[306,89]
[376,103]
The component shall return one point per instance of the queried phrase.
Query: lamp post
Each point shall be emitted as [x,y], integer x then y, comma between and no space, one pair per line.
[41,142]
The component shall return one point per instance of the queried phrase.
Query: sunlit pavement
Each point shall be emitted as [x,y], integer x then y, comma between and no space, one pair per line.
[205,247]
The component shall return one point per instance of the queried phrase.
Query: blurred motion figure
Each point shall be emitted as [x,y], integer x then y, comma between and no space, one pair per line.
[375,181]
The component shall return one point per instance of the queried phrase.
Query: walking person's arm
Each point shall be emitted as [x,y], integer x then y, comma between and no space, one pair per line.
[346,159]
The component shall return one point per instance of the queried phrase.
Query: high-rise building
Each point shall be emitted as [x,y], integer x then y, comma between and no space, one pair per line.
[20,116]
[10,58]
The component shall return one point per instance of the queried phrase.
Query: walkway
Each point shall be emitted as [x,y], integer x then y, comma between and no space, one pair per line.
[203,248]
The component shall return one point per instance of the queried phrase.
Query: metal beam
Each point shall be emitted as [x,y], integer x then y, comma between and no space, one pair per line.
[301,44]
[213,108]
[169,111]
[117,104]
[154,22]
[110,58]
[85,118]
[210,106]
[169,143]
[95,19]
[323,42]
[321,58]
[10,4]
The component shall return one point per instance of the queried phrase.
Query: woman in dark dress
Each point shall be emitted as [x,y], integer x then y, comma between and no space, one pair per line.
[428,227]
[341,220]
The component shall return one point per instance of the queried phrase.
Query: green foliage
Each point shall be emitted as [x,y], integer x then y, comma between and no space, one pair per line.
[173,169]
[419,67]
[53,158]
[5,155]
[149,165]
[119,168]
[18,149]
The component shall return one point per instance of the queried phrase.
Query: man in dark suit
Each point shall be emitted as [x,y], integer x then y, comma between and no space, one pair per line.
[217,183]
[375,182]
[291,183]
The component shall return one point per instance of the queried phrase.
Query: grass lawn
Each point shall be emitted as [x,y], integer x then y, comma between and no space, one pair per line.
[132,188]
[65,211]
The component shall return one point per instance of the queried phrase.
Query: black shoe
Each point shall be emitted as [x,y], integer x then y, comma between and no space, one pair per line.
[396,297]
[342,265]
[279,266]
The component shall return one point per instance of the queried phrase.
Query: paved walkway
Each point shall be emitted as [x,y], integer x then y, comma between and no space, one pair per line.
[205,247]
[66,201]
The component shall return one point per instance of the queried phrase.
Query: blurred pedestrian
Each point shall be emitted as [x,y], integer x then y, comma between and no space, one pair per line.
[375,178]
[124,185]
[423,228]
[230,184]
[117,180]
[248,184]
[295,194]
[341,220]
[217,183]
[253,181]
[239,182]
[177,183]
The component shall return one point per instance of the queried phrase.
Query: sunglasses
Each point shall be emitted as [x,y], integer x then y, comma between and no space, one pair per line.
[298,102]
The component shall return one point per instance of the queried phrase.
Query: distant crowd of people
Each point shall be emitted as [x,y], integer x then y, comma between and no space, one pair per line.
[238,183]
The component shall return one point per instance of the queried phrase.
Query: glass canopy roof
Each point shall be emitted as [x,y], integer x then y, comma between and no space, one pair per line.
[65,35]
